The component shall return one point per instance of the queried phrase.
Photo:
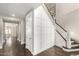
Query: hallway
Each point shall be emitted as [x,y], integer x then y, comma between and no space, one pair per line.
[12,47]
[26,33]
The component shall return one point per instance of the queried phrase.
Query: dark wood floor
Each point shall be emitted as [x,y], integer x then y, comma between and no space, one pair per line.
[14,48]
[56,51]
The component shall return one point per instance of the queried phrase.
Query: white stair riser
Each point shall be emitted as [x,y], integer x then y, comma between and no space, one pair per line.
[70,50]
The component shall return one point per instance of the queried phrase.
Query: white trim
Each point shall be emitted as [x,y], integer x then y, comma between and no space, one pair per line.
[70,50]
[35,53]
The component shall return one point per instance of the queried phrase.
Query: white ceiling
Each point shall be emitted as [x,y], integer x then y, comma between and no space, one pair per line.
[19,9]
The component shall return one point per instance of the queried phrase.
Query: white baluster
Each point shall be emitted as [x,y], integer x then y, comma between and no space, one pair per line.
[68,40]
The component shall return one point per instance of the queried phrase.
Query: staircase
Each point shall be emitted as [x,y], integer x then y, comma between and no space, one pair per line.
[70,44]
[74,46]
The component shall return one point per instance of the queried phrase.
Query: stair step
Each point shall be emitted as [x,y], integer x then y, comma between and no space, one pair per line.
[70,49]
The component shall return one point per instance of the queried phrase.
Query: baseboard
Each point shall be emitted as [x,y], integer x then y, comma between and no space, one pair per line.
[70,50]
[67,50]
[35,53]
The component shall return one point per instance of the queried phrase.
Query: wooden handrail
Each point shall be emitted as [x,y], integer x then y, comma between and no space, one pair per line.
[60,26]
[55,20]
[62,37]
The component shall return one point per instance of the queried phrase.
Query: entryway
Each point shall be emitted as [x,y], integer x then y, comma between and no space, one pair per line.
[10,38]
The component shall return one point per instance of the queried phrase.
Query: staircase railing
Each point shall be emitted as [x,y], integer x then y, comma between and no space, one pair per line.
[60,26]
[64,34]
[61,31]
[65,38]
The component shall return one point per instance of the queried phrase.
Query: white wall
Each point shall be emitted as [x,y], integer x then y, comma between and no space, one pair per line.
[44,31]
[22,31]
[67,15]
[19,32]
[64,8]
[71,23]
[1,33]
[40,32]
[29,31]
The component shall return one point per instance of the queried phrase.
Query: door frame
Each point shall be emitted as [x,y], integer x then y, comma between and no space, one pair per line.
[4,40]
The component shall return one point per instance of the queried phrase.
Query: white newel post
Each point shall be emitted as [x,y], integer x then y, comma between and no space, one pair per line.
[68,40]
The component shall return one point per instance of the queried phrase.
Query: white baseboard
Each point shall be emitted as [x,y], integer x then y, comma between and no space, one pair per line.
[70,50]
[35,53]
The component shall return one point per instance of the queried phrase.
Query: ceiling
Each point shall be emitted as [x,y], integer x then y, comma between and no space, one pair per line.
[19,9]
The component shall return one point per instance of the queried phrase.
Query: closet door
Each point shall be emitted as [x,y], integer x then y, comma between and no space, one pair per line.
[43,30]
[29,24]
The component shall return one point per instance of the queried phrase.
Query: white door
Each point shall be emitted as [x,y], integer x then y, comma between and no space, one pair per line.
[29,31]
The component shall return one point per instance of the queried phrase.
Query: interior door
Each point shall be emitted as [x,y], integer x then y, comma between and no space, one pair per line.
[29,31]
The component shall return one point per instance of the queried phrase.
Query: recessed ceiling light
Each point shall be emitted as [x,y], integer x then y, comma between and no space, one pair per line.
[13,15]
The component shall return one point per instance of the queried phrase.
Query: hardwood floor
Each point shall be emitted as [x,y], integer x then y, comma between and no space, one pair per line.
[14,48]
[56,51]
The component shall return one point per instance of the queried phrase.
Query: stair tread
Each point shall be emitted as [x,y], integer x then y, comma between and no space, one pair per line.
[74,46]
[70,49]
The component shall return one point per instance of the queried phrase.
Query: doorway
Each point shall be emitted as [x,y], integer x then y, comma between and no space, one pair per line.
[10,31]
[10,37]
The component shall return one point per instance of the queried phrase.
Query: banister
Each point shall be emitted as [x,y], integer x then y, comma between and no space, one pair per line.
[53,17]
[60,26]
[62,37]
